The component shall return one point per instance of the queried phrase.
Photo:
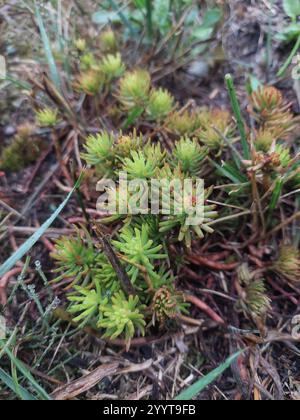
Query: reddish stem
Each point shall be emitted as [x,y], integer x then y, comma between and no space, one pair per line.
[4,282]
[48,244]
[219,256]
[5,279]
[199,260]
[192,275]
[205,308]
[256,261]
[283,292]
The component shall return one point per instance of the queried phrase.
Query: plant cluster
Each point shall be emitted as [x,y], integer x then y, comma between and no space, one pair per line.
[107,112]
[100,298]
[202,138]
[23,150]
[288,263]
[243,168]
[253,293]
[194,24]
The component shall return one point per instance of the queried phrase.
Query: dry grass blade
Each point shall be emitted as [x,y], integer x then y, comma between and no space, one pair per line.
[78,387]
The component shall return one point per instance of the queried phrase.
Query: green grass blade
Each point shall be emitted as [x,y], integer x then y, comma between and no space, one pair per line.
[10,383]
[19,254]
[133,116]
[275,198]
[199,386]
[149,8]
[228,171]
[290,58]
[48,51]
[41,392]
[114,5]
[238,115]
[18,83]
[222,171]
[276,195]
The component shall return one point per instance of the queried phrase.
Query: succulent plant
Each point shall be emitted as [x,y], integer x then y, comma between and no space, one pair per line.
[189,155]
[105,275]
[47,117]
[88,62]
[122,287]
[270,109]
[122,316]
[85,302]
[217,126]
[155,153]
[138,166]
[117,207]
[24,149]
[99,149]
[167,304]
[80,44]
[288,264]
[254,298]
[175,147]
[165,276]
[126,144]
[112,66]
[283,154]
[140,250]
[90,82]
[277,158]
[161,103]
[108,41]
[182,220]
[134,89]
[268,165]
[264,140]
[186,123]
[75,259]
[267,99]
[170,173]
[149,220]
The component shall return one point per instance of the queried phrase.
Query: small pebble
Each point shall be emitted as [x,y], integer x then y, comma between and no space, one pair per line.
[9,131]
[199,69]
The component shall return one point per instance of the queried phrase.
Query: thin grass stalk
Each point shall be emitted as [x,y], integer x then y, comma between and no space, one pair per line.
[289,60]
[149,8]
[124,19]
[19,365]
[10,383]
[238,115]
[47,49]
